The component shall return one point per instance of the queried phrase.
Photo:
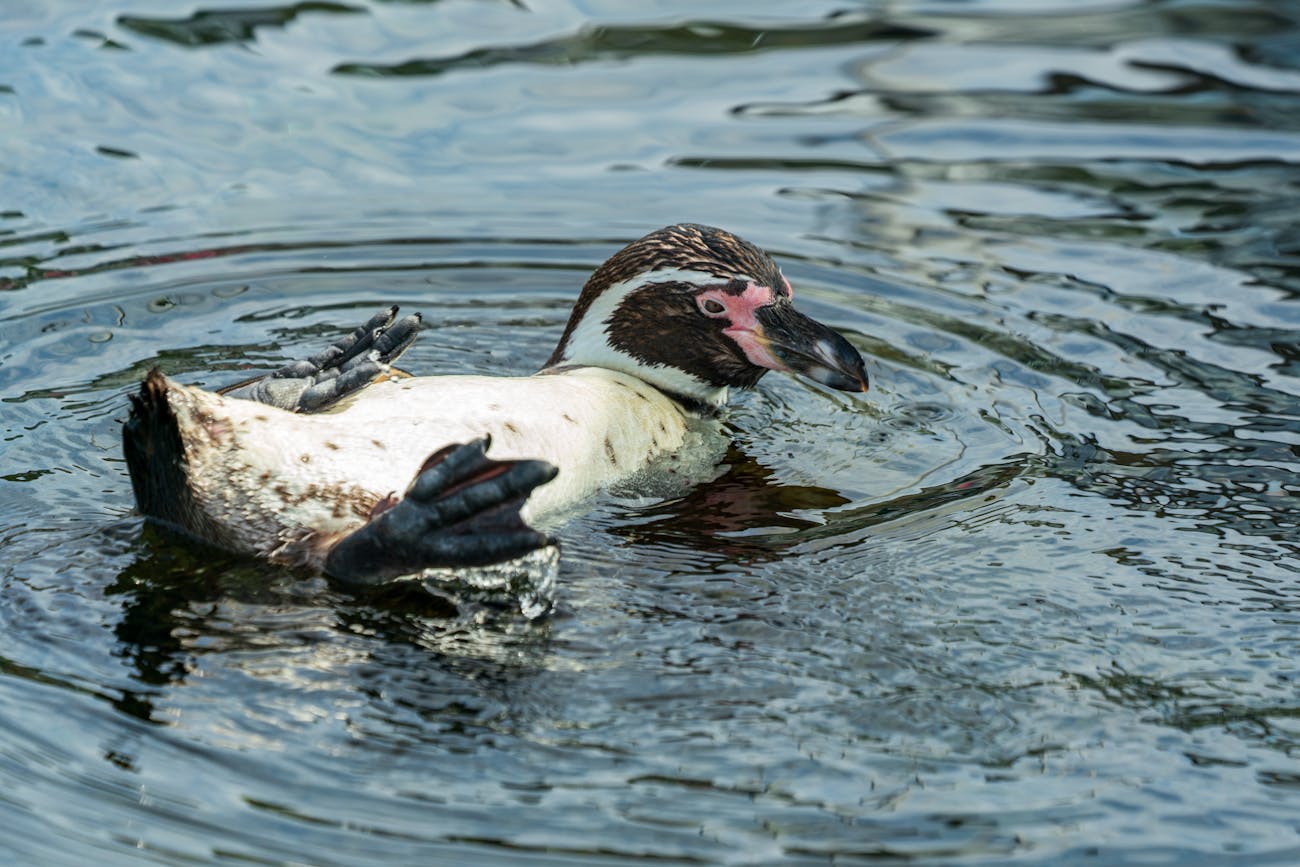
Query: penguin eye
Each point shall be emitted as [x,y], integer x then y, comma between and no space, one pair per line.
[712,307]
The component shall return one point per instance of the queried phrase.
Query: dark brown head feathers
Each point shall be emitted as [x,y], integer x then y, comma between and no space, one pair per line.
[693,248]
[685,246]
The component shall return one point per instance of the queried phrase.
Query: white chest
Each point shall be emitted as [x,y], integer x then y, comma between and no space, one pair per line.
[598,427]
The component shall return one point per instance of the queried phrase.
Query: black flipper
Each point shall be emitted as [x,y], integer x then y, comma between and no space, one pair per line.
[348,365]
[461,510]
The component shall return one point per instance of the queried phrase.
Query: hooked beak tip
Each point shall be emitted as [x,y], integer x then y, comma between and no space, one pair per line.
[841,379]
[794,342]
[835,363]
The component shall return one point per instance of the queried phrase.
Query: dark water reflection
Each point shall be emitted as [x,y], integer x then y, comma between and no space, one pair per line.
[1035,600]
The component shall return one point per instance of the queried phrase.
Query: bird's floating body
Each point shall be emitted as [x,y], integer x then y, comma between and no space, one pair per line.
[264,475]
[306,466]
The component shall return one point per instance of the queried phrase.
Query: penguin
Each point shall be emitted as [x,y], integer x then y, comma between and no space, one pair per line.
[303,467]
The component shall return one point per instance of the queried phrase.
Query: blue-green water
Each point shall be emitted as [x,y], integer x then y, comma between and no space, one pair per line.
[1034,600]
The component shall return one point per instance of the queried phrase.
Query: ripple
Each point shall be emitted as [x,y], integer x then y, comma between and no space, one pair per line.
[213,27]
[709,38]
[1032,598]
[1004,139]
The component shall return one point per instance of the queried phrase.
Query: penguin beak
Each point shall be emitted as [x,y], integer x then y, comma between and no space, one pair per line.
[804,346]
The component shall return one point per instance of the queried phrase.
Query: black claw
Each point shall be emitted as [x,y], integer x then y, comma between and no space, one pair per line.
[346,366]
[461,510]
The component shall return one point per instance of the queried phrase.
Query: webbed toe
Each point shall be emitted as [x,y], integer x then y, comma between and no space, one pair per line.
[343,368]
[461,510]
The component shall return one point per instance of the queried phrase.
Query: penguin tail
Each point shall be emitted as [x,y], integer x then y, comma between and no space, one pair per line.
[155,455]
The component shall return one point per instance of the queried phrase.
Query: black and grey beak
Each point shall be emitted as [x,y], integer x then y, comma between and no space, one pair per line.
[805,346]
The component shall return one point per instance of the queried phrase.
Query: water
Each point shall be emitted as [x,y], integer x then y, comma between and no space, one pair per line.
[1033,600]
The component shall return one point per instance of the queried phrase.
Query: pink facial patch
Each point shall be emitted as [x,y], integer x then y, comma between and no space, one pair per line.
[741,311]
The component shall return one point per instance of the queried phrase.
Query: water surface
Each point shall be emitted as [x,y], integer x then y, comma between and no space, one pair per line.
[1034,600]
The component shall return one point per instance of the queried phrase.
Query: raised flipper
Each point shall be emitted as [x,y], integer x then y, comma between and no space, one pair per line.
[461,510]
[346,366]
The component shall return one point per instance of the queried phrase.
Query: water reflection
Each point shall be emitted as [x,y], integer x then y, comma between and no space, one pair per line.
[613,42]
[743,515]
[213,27]
[747,516]
[182,601]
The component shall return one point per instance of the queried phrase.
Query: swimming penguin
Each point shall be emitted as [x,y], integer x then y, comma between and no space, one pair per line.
[304,466]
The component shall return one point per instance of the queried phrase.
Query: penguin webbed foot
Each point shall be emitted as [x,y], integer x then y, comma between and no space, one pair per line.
[462,510]
[345,366]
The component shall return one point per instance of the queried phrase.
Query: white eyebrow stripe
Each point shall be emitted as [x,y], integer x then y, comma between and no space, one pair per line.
[589,342]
